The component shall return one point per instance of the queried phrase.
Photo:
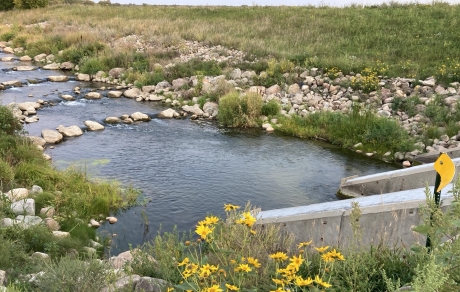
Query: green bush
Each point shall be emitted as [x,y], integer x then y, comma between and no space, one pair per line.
[239,111]
[192,68]
[30,4]
[271,108]
[8,123]
[80,51]
[92,66]
[6,175]
[47,45]
[6,5]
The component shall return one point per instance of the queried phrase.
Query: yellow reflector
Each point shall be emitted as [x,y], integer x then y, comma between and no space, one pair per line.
[446,169]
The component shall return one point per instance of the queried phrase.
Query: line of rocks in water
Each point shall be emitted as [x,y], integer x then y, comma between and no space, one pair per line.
[316,92]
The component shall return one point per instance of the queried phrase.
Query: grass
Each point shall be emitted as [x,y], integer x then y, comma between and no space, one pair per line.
[416,40]
[360,125]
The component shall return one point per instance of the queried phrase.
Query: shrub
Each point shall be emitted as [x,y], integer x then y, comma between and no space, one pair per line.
[8,123]
[79,51]
[6,175]
[193,67]
[47,45]
[271,108]
[30,4]
[6,5]
[239,111]
[92,66]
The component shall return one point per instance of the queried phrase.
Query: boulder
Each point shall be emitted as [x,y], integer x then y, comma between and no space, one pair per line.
[167,114]
[111,219]
[70,131]
[40,58]
[148,284]
[67,97]
[15,83]
[124,284]
[94,223]
[7,222]
[93,126]
[52,136]
[61,234]
[40,256]
[67,66]
[138,116]
[52,224]
[194,110]
[114,93]
[211,108]
[17,194]
[39,141]
[112,120]
[162,86]
[179,83]
[47,212]
[83,77]
[7,59]
[8,50]
[116,72]
[25,68]
[52,66]
[155,97]
[29,106]
[93,95]
[58,78]
[23,207]
[132,93]
[25,59]
[28,220]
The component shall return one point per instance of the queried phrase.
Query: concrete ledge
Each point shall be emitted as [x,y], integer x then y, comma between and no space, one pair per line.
[391,181]
[387,218]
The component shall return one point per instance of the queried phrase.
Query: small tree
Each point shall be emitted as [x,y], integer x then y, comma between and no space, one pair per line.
[30,4]
[6,5]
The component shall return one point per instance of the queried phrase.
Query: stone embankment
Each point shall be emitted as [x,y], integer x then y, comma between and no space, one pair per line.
[315,92]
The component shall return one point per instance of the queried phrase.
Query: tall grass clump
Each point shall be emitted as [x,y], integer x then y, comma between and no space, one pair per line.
[237,110]
[358,126]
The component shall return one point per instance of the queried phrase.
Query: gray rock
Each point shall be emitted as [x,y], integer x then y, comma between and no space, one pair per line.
[3,279]
[167,114]
[148,284]
[112,120]
[93,126]
[138,116]
[155,97]
[47,212]
[26,68]
[40,58]
[114,93]
[179,83]
[23,207]
[71,131]
[58,78]
[7,222]
[40,255]
[17,194]
[124,284]
[52,224]
[60,234]
[211,108]
[194,110]
[132,93]
[36,190]
[83,77]
[235,74]
[93,95]
[67,97]
[15,83]
[116,72]
[28,220]
[52,136]
[52,66]
[67,66]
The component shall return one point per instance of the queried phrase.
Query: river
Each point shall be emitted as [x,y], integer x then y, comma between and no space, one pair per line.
[185,169]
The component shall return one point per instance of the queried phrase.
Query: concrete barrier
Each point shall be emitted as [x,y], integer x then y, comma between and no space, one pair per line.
[391,181]
[387,218]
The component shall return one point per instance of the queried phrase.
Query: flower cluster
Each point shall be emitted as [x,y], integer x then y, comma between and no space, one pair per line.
[450,71]
[367,81]
[289,278]
[206,227]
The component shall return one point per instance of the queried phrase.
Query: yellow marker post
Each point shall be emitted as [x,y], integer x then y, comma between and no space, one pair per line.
[445,172]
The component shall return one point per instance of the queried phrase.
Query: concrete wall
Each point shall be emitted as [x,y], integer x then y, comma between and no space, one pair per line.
[387,218]
[391,181]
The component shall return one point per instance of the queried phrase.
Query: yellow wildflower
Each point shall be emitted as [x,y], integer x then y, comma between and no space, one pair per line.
[305,243]
[254,262]
[214,288]
[243,268]
[278,281]
[231,287]
[253,232]
[321,282]
[249,220]
[184,262]
[203,231]
[211,220]
[322,249]
[232,262]
[230,207]
[296,261]
[299,281]
[279,256]
[170,289]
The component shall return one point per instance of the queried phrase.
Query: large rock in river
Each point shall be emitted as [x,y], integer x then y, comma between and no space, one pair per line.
[59,78]
[93,126]
[138,116]
[167,114]
[93,95]
[132,93]
[52,136]
[70,131]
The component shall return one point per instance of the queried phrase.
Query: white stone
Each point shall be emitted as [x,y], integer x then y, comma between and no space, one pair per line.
[138,116]
[61,234]
[71,131]
[93,95]
[167,114]
[23,207]
[52,136]
[93,126]
[94,223]
[59,78]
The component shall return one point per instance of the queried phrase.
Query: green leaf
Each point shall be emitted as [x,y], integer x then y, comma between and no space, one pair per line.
[456,223]
[422,229]
[187,286]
